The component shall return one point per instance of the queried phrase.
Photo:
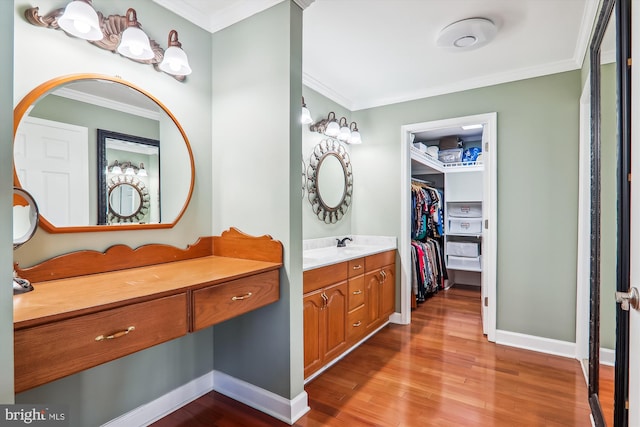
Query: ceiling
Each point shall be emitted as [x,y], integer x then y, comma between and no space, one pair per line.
[367,53]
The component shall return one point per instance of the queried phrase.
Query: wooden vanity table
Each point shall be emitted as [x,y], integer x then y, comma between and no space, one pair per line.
[90,307]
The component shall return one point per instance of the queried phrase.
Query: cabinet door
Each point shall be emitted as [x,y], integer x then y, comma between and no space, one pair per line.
[313,309]
[388,293]
[335,312]
[372,283]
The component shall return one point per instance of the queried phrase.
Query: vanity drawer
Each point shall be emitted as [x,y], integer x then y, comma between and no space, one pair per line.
[356,292]
[221,302]
[54,350]
[356,267]
[380,260]
[320,277]
[356,323]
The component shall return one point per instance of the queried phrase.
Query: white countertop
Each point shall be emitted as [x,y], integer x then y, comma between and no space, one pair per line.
[324,251]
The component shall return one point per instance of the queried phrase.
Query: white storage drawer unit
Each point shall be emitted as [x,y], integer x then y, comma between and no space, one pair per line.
[463,249]
[465,210]
[464,263]
[465,225]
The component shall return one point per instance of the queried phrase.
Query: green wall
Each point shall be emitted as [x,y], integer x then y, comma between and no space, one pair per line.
[100,394]
[538,126]
[6,179]
[257,149]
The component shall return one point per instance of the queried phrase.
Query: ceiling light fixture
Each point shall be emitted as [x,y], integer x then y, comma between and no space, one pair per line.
[175,60]
[81,20]
[468,34]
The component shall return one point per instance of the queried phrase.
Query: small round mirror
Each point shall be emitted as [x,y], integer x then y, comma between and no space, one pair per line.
[25,217]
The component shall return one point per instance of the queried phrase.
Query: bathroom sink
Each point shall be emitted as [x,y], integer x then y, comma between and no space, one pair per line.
[333,254]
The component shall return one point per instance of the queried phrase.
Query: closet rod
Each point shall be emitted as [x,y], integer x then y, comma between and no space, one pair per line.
[421,181]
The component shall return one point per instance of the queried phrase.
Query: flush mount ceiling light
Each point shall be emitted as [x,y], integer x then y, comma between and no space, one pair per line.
[468,34]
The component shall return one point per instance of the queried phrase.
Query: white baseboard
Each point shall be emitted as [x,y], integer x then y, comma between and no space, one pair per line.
[270,403]
[607,357]
[539,344]
[164,405]
[263,400]
[397,319]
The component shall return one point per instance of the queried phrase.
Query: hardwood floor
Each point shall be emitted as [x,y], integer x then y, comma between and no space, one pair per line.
[438,371]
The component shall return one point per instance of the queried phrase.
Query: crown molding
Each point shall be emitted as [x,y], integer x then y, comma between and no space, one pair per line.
[106,103]
[304,3]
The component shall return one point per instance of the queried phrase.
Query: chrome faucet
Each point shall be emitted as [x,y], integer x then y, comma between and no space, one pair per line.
[342,242]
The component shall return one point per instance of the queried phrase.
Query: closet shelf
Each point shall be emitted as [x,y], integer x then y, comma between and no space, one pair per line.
[422,163]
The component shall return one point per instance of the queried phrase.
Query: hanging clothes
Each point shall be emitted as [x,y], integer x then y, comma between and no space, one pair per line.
[427,229]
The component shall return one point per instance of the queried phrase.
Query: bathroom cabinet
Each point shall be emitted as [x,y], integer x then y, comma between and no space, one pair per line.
[90,307]
[325,311]
[343,303]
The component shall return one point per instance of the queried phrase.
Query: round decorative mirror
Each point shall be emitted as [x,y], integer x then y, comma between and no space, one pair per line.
[25,224]
[330,181]
[128,200]
[71,132]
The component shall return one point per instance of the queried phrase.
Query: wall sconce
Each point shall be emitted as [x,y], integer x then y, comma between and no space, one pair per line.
[175,60]
[113,33]
[305,116]
[340,130]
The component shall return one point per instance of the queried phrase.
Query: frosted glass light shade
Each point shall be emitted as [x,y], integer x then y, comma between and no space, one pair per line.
[175,62]
[142,171]
[344,133]
[135,44]
[305,117]
[333,129]
[81,20]
[355,137]
[129,171]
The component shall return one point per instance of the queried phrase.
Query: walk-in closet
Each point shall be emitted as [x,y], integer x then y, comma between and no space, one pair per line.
[451,208]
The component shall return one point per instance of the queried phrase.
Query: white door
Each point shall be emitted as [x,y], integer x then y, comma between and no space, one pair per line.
[52,163]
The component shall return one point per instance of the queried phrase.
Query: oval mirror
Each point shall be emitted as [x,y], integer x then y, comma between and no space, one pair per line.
[329,181]
[25,217]
[70,132]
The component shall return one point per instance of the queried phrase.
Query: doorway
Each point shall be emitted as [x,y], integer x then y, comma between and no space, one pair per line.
[489,225]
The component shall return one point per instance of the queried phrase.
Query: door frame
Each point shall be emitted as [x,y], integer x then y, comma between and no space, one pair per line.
[490,200]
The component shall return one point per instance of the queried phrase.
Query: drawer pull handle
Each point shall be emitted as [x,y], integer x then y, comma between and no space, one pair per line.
[358,323]
[357,267]
[241,297]
[358,292]
[115,335]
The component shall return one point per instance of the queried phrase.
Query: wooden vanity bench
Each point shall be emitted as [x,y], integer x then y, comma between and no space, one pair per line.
[92,307]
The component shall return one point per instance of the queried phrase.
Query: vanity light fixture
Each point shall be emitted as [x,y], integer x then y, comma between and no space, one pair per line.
[175,59]
[134,43]
[81,20]
[142,171]
[340,130]
[116,33]
[305,117]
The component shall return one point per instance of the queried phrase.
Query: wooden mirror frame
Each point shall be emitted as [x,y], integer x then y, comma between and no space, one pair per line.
[23,106]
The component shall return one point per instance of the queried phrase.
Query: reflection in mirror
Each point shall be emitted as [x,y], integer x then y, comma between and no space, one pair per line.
[128,166]
[56,152]
[329,181]
[25,224]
